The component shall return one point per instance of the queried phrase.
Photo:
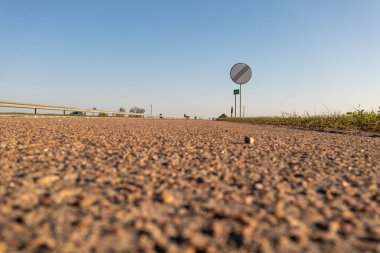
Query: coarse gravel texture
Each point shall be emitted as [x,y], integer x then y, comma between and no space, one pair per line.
[136,185]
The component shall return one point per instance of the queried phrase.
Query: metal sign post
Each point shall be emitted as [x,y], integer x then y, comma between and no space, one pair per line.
[240,104]
[236,92]
[240,73]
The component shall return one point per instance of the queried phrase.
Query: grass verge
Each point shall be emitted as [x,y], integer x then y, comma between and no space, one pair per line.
[359,120]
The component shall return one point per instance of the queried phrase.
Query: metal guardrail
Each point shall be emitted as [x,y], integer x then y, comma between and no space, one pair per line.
[63,108]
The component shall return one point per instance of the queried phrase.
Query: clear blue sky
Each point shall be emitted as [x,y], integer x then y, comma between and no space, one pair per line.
[306,55]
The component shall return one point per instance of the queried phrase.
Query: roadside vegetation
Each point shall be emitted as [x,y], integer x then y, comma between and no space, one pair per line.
[357,120]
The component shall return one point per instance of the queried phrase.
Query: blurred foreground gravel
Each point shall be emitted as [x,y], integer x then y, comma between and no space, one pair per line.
[121,185]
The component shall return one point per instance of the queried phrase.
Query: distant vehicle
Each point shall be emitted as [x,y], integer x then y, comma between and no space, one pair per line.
[76,113]
[161,117]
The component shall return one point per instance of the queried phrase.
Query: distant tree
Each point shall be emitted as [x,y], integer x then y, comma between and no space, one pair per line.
[222,116]
[121,109]
[136,110]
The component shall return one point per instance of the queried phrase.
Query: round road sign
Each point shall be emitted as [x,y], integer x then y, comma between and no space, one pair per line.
[241,73]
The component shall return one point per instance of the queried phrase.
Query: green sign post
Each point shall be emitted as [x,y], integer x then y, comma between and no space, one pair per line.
[236,92]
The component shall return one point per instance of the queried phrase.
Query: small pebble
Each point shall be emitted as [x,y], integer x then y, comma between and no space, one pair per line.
[259,186]
[249,140]
[3,247]
[167,198]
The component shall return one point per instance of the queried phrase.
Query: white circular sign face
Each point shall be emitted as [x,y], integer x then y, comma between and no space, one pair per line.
[241,73]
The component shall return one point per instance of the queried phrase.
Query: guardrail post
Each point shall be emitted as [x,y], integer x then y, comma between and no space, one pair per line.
[64,112]
[35,110]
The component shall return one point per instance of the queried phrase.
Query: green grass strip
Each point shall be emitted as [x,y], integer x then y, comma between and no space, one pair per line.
[358,120]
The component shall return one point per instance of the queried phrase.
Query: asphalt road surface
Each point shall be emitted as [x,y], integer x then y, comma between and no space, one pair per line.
[121,185]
